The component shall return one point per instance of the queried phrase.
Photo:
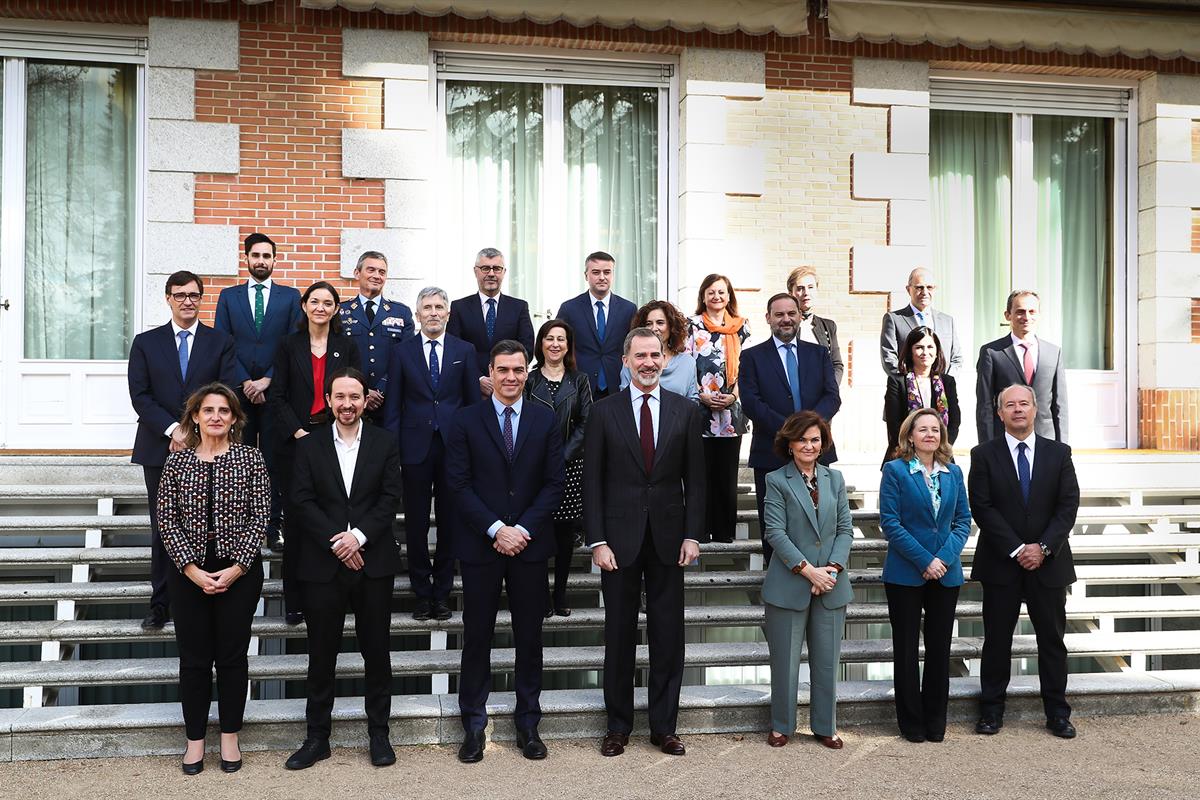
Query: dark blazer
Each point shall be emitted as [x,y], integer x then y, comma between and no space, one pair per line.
[256,348]
[1000,366]
[412,409]
[487,487]
[290,395]
[320,506]
[898,324]
[591,354]
[376,340]
[895,409]
[620,500]
[767,398]
[158,392]
[826,333]
[1006,521]
[914,536]
[571,407]
[512,322]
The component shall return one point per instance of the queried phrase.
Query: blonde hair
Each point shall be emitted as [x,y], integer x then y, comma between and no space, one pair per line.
[904,446]
[799,272]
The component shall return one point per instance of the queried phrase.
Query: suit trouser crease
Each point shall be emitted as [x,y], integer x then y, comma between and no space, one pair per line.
[787,630]
[921,700]
[424,485]
[1047,612]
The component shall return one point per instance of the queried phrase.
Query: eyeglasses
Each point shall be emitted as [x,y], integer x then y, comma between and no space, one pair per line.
[183,297]
[491,268]
[923,287]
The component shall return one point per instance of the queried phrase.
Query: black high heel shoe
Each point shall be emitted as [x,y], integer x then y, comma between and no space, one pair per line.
[194,768]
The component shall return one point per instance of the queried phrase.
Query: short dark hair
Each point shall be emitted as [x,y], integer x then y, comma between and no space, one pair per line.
[782,296]
[258,238]
[192,407]
[335,322]
[183,278]
[1013,295]
[547,326]
[794,427]
[730,306]
[507,347]
[345,372]
[676,323]
[638,333]
[599,255]
[915,335]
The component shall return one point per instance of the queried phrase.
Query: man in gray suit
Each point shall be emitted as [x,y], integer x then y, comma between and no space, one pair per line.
[918,313]
[1021,357]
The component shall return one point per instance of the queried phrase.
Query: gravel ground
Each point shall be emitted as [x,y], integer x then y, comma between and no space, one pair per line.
[1113,757]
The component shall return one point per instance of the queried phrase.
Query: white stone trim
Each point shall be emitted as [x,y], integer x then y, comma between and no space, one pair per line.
[187,146]
[193,43]
[378,154]
[407,204]
[884,176]
[890,82]
[409,251]
[203,249]
[723,73]
[881,268]
[406,105]
[385,54]
[171,93]
[171,197]
[731,169]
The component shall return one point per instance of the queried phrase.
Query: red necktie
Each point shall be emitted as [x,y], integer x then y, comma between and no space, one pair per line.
[1027,362]
[647,432]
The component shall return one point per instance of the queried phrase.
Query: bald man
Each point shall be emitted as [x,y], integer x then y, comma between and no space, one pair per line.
[918,313]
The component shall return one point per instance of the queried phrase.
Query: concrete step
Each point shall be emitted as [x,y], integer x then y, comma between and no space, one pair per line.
[68,469]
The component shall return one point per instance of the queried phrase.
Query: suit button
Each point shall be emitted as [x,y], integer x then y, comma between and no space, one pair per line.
[370,333]
[511,493]
[372,361]
[435,402]
[370,347]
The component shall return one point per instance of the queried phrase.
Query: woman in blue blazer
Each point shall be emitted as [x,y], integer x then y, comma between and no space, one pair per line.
[925,518]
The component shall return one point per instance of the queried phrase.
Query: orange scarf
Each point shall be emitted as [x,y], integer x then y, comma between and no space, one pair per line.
[731,346]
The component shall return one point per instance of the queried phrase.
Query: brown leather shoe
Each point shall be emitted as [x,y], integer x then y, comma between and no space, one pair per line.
[832,742]
[669,743]
[614,744]
[776,739]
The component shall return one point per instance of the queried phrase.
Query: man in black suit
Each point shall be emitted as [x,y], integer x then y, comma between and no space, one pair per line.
[504,465]
[643,504]
[1024,496]
[1022,358]
[487,317]
[345,491]
[167,364]
[600,320]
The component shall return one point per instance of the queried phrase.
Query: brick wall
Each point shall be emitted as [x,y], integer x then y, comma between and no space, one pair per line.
[1169,419]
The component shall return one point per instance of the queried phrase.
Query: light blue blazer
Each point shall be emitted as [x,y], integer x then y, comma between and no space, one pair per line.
[914,537]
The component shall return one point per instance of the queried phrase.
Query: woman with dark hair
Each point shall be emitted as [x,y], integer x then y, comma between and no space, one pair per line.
[214,500]
[671,327]
[558,384]
[715,337]
[922,383]
[297,401]
[806,589]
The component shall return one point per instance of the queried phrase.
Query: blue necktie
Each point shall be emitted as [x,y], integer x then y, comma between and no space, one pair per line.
[793,376]
[508,432]
[435,369]
[920,320]
[183,353]
[490,319]
[601,326]
[1023,470]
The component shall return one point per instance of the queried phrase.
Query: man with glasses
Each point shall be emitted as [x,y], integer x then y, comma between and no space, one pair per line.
[487,317]
[919,313]
[167,364]
[376,325]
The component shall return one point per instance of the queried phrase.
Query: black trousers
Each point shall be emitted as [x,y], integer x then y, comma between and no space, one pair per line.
[325,606]
[921,702]
[622,590]
[281,482]
[523,582]
[1047,612]
[424,486]
[720,488]
[260,432]
[160,563]
[213,631]
[564,551]
[760,495]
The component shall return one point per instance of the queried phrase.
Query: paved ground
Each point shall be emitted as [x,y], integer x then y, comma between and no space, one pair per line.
[1114,757]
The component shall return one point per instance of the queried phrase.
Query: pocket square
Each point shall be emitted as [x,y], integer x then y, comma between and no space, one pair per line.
[456,362]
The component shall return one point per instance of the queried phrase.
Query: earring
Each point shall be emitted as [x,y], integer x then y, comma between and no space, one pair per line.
[195,427]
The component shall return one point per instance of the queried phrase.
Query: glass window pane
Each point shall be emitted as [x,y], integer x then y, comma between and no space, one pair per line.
[611,142]
[1072,167]
[494,152]
[79,196]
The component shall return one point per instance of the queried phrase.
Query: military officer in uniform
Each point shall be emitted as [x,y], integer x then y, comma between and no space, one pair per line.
[375,324]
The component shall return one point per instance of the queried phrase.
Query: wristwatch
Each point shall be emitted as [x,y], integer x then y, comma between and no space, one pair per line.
[1046,551]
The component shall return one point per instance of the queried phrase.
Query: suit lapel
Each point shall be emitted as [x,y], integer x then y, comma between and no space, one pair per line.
[245,305]
[197,355]
[628,424]
[304,364]
[918,481]
[170,347]
[827,510]
[331,456]
[491,421]
[1005,464]
[586,301]
[524,431]
[1046,358]
[1011,352]
[776,366]
[422,365]
[795,482]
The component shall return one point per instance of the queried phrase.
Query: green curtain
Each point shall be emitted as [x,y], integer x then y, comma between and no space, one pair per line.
[494,134]
[612,182]
[1071,167]
[970,175]
[80,173]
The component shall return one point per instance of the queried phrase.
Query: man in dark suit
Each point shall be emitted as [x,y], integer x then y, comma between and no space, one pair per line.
[505,467]
[919,312]
[643,504]
[1024,497]
[431,376]
[600,320]
[1022,357]
[258,314]
[167,364]
[376,325]
[779,377]
[487,317]
[346,490]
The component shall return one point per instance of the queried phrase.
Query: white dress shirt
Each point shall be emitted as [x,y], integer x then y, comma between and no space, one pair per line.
[1020,345]
[363,300]
[805,333]
[483,305]
[603,300]
[425,348]
[926,315]
[499,407]
[347,454]
[781,350]
[1012,443]
[191,341]
[266,294]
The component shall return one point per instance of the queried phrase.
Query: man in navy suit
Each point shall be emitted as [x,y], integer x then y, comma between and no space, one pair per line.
[430,377]
[167,364]
[505,468]
[600,320]
[487,317]
[376,325]
[779,377]
[258,314]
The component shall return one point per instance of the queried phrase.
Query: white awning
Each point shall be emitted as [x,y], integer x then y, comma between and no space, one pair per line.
[1010,26]
[785,17]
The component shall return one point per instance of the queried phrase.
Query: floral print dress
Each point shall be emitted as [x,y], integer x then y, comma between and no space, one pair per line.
[709,350]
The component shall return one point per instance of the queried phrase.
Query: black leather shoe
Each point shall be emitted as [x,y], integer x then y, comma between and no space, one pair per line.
[562,611]
[614,744]
[1061,727]
[423,610]
[935,736]
[669,743]
[532,746]
[471,751]
[294,618]
[915,738]
[230,766]
[382,754]
[312,751]
[155,619]
[193,769]
[989,726]
[439,610]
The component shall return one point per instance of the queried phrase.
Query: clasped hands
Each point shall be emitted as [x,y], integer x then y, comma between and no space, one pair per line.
[935,570]
[213,582]
[1031,556]
[510,540]
[346,548]
[256,391]
[716,400]
[823,579]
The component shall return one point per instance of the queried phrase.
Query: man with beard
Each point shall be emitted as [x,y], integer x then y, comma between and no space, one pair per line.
[779,377]
[376,325]
[258,314]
